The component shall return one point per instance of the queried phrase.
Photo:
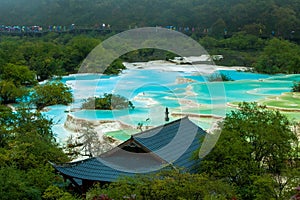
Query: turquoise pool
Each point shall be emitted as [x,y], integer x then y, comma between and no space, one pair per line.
[153,90]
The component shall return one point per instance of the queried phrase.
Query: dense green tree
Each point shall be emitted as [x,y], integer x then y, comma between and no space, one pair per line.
[115,67]
[254,153]
[27,146]
[10,52]
[5,125]
[219,28]
[76,50]
[279,56]
[286,20]
[51,93]
[44,58]
[148,54]
[296,87]
[13,82]
[216,77]
[282,17]
[10,93]
[241,49]
[14,185]
[209,42]
[107,102]
[169,184]
[241,41]
[18,74]
[56,193]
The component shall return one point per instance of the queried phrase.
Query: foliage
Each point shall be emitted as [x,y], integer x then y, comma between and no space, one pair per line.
[107,102]
[168,184]
[254,17]
[46,57]
[27,146]
[115,68]
[18,74]
[55,193]
[239,50]
[296,87]
[254,153]
[148,54]
[14,185]
[13,80]
[51,93]
[10,93]
[219,77]
[76,50]
[60,54]
[242,41]
[30,132]
[279,56]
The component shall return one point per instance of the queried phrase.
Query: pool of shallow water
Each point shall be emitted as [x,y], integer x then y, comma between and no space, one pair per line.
[153,90]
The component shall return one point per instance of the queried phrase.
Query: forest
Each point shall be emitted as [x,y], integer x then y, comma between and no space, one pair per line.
[276,17]
[257,155]
[27,143]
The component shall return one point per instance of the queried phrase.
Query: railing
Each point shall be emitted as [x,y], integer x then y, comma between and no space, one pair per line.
[39,30]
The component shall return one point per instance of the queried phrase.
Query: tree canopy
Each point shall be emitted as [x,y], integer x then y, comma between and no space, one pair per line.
[13,80]
[10,93]
[296,87]
[27,145]
[255,153]
[279,56]
[18,74]
[168,184]
[259,17]
[51,93]
[107,102]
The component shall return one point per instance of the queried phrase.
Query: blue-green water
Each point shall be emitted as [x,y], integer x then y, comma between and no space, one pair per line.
[153,90]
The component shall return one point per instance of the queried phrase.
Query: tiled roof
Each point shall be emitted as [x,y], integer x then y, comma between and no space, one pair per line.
[108,169]
[172,143]
[89,169]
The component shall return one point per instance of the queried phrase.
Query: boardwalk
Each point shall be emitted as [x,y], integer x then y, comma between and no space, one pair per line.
[72,29]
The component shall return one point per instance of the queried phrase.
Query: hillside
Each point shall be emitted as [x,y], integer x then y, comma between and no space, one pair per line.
[253,16]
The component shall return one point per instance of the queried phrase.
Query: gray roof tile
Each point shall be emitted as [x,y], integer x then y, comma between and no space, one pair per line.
[174,143]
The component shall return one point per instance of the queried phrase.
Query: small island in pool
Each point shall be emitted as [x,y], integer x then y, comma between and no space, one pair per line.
[107,102]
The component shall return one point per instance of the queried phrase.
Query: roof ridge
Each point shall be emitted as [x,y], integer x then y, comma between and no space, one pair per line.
[132,137]
[199,127]
[161,126]
[152,153]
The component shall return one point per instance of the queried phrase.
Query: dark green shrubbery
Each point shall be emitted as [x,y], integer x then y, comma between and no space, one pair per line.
[107,102]
[296,87]
[219,77]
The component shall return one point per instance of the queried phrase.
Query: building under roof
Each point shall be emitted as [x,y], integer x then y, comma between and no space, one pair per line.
[170,145]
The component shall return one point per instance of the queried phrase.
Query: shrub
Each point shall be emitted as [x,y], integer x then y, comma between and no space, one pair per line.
[296,87]
[219,77]
[107,102]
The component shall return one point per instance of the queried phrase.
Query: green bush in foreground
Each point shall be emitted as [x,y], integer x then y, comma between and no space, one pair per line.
[27,144]
[169,184]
